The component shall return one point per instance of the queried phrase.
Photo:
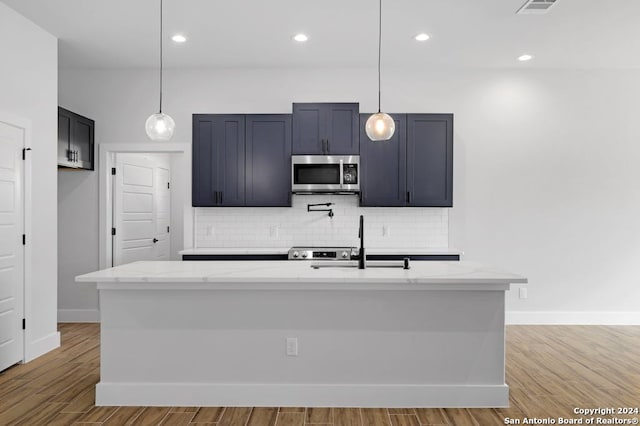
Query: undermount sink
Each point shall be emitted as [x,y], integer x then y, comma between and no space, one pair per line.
[370,264]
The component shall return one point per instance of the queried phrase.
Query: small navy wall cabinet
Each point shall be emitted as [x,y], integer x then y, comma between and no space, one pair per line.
[325,129]
[241,160]
[414,168]
[218,175]
[268,160]
[75,140]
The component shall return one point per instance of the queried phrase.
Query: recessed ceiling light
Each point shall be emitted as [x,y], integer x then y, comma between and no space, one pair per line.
[179,38]
[300,37]
[524,58]
[422,37]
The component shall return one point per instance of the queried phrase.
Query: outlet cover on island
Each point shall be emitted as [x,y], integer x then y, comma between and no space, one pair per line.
[386,230]
[523,293]
[292,346]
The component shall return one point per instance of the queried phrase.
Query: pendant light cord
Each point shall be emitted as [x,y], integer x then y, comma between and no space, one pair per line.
[379,49]
[160,56]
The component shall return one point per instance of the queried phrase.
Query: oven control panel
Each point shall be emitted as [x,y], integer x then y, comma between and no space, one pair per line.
[321,253]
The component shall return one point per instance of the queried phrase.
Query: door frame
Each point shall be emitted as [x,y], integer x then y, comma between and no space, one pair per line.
[25,124]
[106,156]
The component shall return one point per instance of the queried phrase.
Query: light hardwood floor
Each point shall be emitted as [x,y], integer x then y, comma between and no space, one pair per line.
[550,370]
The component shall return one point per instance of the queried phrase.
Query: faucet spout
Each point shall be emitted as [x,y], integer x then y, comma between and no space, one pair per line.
[362,257]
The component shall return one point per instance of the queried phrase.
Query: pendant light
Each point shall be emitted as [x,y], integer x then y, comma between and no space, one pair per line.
[160,126]
[380,126]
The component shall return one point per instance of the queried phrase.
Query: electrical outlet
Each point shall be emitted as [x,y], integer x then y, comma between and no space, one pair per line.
[292,346]
[274,230]
[522,293]
[386,230]
[211,231]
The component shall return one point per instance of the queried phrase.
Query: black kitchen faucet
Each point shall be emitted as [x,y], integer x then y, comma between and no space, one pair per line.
[361,256]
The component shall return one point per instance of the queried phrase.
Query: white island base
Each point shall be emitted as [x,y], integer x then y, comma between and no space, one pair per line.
[215,334]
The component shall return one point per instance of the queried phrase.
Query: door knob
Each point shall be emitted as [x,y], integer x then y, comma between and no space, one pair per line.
[155,240]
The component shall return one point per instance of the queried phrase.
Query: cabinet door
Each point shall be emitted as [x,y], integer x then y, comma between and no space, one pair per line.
[342,134]
[268,160]
[383,166]
[203,190]
[229,160]
[325,129]
[308,129]
[65,119]
[82,141]
[430,160]
[218,160]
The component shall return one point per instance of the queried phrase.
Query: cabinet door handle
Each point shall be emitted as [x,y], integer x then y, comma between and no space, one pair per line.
[69,155]
[76,151]
[324,146]
[216,197]
[221,196]
[328,146]
[409,197]
[155,240]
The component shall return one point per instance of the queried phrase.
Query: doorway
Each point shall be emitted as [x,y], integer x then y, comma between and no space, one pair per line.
[141,185]
[149,192]
[13,253]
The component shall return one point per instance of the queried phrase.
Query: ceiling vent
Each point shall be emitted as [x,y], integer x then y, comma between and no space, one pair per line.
[536,6]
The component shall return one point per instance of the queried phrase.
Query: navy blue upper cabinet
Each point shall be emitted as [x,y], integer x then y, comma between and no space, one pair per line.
[414,168]
[241,160]
[325,129]
[75,140]
[383,167]
[268,160]
[218,160]
[430,160]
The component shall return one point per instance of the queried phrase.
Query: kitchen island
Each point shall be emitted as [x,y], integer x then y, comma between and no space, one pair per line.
[282,333]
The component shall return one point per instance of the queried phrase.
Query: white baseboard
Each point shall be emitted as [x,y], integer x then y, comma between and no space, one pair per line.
[577,318]
[78,315]
[305,395]
[41,346]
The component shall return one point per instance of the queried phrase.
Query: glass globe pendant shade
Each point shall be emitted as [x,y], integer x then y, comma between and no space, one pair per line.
[380,127]
[160,127]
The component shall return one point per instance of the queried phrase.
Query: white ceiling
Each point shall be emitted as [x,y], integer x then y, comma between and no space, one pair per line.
[257,33]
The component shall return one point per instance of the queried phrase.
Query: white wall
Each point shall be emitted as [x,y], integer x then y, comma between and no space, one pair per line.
[545,161]
[28,88]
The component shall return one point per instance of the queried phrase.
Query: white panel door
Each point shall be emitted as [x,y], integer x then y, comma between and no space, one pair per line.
[139,212]
[11,248]
[163,212]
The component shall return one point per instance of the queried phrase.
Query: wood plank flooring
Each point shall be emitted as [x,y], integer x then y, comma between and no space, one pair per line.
[550,370]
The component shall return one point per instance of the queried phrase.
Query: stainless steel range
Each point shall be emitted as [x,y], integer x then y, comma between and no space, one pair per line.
[322,253]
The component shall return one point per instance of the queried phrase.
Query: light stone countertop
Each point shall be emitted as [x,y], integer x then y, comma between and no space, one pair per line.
[285,250]
[287,275]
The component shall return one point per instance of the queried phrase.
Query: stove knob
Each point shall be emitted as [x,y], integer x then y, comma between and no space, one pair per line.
[304,255]
[295,254]
[344,254]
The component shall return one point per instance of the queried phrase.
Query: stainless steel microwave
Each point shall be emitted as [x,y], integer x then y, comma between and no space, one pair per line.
[325,173]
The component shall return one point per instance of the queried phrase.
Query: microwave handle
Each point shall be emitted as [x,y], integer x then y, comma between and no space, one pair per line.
[341,174]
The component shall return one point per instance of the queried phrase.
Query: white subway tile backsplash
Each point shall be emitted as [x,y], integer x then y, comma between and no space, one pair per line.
[284,227]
